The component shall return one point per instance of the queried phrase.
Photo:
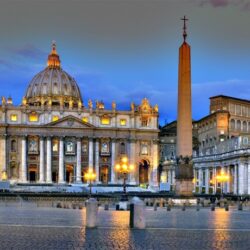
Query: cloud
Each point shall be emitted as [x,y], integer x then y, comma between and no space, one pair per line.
[29,51]
[243,4]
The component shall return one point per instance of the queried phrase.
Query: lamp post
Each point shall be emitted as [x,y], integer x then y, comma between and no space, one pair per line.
[222,178]
[124,168]
[90,176]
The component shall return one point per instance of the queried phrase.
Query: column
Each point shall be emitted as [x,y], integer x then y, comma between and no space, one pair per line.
[48,162]
[155,156]
[91,154]
[61,162]
[214,180]
[78,161]
[24,160]
[245,178]
[41,164]
[248,178]
[3,152]
[241,172]
[113,158]
[207,181]
[97,159]
[235,179]
[200,179]
[132,161]
[227,186]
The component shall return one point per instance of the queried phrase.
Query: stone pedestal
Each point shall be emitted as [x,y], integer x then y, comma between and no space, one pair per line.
[184,179]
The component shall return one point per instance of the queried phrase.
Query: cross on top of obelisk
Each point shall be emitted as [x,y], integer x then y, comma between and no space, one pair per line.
[184,19]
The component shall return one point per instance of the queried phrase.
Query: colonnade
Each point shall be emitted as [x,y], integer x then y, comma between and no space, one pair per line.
[45,159]
[238,181]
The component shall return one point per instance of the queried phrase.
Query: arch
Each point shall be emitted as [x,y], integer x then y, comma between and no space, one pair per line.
[244,126]
[232,124]
[238,125]
[144,171]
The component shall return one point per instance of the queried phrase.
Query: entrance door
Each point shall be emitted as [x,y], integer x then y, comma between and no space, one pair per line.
[143,172]
[104,174]
[32,173]
[69,173]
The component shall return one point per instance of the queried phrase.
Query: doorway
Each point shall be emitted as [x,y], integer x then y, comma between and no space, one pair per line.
[32,173]
[104,174]
[69,173]
[143,172]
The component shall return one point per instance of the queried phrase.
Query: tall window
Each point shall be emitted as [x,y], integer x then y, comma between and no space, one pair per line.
[123,122]
[55,145]
[13,146]
[144,148]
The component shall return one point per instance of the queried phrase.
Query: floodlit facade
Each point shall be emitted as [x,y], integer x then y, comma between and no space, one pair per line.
[52,137]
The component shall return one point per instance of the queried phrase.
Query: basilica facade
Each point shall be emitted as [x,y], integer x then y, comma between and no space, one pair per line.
[52,137]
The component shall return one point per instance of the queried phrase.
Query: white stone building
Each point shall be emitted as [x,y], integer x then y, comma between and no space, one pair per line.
[53,138]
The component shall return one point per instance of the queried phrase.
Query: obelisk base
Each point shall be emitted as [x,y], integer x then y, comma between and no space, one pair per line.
[184,180]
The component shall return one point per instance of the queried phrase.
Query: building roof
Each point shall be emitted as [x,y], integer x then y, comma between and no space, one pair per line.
[229,97]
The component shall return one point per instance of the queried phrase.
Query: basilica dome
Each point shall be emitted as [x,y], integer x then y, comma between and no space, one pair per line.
[53,86]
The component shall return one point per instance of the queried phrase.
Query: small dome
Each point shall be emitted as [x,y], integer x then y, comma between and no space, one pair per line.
[53,86]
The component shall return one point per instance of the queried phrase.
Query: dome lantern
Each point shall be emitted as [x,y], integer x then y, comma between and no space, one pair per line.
[53,58]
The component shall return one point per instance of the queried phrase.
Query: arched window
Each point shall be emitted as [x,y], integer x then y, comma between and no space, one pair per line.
[232,124]
[44,89]
[245,126]
[238,125]
[55,88]
[13,145]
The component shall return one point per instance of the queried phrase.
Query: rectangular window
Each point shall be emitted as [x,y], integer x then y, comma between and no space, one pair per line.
[123,122]
[55,118]
[33,117]
[85,119]
[13,117]
[105,120]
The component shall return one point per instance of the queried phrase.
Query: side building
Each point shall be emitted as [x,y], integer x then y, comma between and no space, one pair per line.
[53,138]
[224,137]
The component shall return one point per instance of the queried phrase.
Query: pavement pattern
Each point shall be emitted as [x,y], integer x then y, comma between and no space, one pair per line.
[31,227]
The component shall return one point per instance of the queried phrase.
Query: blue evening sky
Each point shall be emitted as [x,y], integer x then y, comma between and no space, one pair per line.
[125,50]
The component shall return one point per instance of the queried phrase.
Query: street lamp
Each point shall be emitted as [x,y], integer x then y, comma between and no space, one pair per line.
[222,178]
[90,176]
[124,168]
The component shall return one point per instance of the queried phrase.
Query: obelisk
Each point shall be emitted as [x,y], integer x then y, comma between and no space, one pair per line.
[184,169]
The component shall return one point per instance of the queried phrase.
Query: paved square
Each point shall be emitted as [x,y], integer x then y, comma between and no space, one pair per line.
[31,227]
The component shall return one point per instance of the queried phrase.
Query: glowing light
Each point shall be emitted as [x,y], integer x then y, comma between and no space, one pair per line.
[33,117]
[123,122]
[117,167]
[131,167]
[55,118]
[4,176]
[105,121]
[85,119]
[13,117]
[124,159]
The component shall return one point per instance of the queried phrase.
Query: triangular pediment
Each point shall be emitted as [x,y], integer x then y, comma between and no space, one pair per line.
[70,122]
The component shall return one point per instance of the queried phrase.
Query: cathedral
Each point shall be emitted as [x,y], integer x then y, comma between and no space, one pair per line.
[53,138]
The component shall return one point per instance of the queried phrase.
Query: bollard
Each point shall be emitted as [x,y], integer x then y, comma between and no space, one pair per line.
[155,206]
[198,207]
[168,207]
[226,207]
[184,207]
[212,207]
[137,213]
[106,206]
[117,207]
[91,213]
[240,207]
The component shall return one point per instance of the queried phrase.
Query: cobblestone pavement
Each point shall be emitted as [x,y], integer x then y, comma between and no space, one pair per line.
[54,228]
